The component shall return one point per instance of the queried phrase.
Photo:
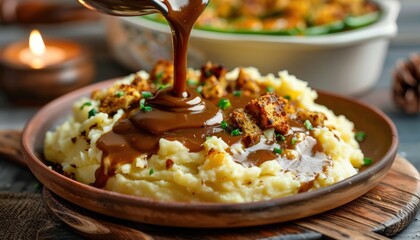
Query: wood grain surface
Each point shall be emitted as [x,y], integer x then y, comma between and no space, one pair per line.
[381,213]
[10,147]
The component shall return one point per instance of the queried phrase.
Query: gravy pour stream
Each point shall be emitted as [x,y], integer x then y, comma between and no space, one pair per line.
[178,113]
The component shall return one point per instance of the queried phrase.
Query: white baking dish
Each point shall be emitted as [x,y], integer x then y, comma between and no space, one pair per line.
[347,62]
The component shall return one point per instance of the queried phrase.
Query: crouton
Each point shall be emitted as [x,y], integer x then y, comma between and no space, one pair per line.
[269,110]
[212,88]
[162,73]
[213,81]
[215,70]
[317,119]
[245,83]
[245,122]
[123,96]
[141,84]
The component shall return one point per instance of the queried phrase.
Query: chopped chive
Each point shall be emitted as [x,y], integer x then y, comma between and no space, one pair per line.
[237,93]
[151,171]
[85,104]
[280,137]
[119,94]
[308,125]
[147,108]
[224,103]
[142,102]
[162,86]
[367,161]
[269,89]
[92,112]
[236,132]
[143,107]
[224,125]
[360,136]
[146,94]
[277,150]
[293,140]
[191,82]
[199,89]
[287,97]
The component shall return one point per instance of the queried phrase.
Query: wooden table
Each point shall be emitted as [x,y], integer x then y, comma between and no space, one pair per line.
[17,179]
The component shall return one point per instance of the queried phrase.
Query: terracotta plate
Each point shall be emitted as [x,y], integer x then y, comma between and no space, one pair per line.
[381,145]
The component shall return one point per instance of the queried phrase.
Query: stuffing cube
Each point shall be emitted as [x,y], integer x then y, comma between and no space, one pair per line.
[269,109]
[245,122]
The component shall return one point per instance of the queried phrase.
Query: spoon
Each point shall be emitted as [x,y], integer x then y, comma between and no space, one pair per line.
[126,7]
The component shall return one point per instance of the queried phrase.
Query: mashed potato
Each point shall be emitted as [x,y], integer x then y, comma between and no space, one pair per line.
[174,173]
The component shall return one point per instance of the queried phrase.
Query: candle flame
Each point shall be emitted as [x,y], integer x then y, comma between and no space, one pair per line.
[36,44]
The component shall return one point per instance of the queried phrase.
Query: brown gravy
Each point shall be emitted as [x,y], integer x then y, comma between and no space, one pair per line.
[129,139]
[178,113]
[141,132]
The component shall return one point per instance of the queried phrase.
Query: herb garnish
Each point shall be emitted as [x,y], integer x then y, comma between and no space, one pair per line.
[360,136]
[224,125]
[367,161]
[237,93]
[119,94]
[277,150]
[236,132]
[85,104]
[143,107]
[92,112]
[151,171]
[162,86]
[191,82]
[199,89]
[293,140]
[146,94]
[308,125]
[224,103]
[280,137]
[269,89]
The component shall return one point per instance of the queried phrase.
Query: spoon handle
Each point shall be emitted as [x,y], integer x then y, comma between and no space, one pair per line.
[126,7]
[10,146]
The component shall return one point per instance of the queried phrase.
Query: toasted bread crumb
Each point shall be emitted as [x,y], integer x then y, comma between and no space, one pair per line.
[242,120]
[213,80]
[269,110]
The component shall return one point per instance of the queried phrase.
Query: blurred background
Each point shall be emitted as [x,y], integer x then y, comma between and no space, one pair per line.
[120,46]
[347,63]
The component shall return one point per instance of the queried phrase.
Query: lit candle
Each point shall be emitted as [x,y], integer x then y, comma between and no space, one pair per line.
[38,55]
[36,71]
